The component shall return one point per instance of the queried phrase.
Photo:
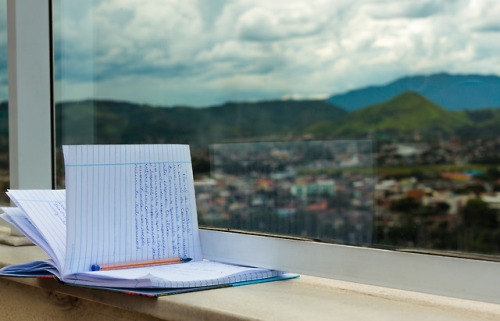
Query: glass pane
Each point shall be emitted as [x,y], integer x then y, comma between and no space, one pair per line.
[316,189]
[419,81]
[4,120]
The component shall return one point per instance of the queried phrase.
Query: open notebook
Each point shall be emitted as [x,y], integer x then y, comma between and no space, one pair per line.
[122,204]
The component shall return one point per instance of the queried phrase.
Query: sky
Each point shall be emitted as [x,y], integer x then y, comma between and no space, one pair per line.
[206,52]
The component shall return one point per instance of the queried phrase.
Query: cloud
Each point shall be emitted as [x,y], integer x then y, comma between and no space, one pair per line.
[200,53]
[210,11]
[265,24]
[404,9]
[493,26]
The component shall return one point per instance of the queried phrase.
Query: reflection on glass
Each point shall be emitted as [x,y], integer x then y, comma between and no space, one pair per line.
[420,81]
[4,119]
[317,189]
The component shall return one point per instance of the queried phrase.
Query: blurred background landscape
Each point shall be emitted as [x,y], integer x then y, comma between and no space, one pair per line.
[430,178]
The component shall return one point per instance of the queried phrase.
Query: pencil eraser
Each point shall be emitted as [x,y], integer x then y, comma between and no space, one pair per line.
[95,267]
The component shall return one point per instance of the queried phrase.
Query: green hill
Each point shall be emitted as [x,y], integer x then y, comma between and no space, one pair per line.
[485,123]
[268,118]
[406,113]
[120,122]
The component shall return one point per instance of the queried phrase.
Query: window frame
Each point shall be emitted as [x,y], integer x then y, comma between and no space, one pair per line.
[30,133]
[30,94]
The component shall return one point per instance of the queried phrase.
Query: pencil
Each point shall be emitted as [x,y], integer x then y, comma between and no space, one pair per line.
[103,267]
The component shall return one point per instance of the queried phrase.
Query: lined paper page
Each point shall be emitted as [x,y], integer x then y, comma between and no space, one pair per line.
[45,209]
[17,218]
[129,203]
[181,275]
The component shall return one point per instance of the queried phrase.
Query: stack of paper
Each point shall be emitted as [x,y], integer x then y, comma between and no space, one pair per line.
[123,204]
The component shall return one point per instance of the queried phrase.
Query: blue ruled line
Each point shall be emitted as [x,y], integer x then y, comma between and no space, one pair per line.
[176,162]
[41,201]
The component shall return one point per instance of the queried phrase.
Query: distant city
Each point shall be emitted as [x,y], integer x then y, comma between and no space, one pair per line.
[328,190]
[318,189]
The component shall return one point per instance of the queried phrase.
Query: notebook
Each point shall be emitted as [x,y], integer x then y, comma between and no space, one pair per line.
[123,204]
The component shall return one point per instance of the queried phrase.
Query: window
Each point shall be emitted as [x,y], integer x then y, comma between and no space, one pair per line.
[178,73]
[108,92]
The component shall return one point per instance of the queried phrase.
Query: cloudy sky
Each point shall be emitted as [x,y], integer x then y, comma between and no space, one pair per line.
[205,52]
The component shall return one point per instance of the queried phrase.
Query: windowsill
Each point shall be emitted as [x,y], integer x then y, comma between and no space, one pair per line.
[305,298]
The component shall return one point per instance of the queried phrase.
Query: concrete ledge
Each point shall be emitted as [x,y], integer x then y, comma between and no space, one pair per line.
[27,302]
[14,240]
[306,298]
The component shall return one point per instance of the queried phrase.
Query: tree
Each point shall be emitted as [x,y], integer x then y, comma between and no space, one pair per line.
[477,214]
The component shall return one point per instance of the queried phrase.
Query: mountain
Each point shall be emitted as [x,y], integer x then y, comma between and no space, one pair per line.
[272,117]
[115,122]
[485,124]
[453,92]
[406,113]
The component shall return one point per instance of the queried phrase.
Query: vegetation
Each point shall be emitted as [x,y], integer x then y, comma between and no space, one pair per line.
[406,113]
[117,122]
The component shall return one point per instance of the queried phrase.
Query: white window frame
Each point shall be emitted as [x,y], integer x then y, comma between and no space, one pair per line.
[31,159]
[30,94]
